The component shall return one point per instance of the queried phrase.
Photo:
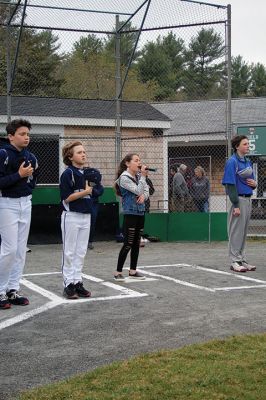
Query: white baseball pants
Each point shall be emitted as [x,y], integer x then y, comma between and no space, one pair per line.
[15,218]
[75,236]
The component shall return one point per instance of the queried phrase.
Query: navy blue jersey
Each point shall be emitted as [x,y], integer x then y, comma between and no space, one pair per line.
[73,180]
[11,184]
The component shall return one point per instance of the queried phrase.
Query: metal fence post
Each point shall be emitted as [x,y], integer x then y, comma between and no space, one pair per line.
[118,94]
[229,86]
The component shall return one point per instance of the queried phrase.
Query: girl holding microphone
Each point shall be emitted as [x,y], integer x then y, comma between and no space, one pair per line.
[132,187]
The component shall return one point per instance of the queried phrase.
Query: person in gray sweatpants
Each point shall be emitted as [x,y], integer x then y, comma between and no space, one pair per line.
[239,182]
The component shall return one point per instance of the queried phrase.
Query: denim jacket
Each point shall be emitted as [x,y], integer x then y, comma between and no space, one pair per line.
[129,197]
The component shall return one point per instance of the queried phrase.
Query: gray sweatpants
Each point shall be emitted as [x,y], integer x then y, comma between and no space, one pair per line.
[238,229]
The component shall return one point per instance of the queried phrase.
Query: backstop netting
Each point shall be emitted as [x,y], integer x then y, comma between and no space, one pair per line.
[144,76]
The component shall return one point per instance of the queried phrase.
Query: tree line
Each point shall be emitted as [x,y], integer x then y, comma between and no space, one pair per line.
[166,68]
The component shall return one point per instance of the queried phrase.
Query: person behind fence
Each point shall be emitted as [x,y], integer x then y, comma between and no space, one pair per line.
[180,189]
[173,171]
[76,196]
[131,185]
[144,240]
[151,191]
[200,189]
[18,174]
[239,181]
[98,191]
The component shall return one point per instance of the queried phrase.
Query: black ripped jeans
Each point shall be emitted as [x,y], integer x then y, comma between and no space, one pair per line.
[133,226]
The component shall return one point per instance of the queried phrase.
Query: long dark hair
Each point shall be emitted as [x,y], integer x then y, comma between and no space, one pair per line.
[123,167]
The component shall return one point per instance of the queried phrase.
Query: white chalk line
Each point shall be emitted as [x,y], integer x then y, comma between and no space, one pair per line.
[180,265]
[116,297]
[29,314]
[43,273]
[125,292]
[165,265]
[115,286]
[227,289]
[178,281]
[57,300]
[185,283]
[40,290]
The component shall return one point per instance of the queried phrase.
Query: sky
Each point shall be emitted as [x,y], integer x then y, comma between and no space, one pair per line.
[248,28]
[248,24]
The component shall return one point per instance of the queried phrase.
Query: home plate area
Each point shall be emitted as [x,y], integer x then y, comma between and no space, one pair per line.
[202,278]
[48,285]
[46,288]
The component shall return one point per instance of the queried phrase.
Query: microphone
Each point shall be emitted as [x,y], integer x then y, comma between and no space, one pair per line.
[151,169]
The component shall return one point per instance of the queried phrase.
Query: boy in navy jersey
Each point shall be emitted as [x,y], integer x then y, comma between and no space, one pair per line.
[18,171]
[76,190]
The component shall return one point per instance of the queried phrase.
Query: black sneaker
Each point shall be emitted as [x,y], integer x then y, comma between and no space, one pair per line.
[137,275]
[119,278]
[4,302]
[16,299]
[70,292]
[81,291]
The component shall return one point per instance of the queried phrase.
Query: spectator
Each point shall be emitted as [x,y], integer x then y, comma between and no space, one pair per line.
[173,171]
[151,191]
[147,207]
[200,190]
[180,189]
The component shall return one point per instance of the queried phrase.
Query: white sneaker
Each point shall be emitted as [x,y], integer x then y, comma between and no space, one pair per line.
[142,242]
[237,266]
[248,266]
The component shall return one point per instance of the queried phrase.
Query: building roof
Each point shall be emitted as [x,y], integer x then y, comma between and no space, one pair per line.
[79,108]
[209,116]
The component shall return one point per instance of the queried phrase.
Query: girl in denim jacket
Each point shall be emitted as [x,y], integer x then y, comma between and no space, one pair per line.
[132,187]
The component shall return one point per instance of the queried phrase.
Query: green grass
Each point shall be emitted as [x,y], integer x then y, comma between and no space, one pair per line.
[230,369]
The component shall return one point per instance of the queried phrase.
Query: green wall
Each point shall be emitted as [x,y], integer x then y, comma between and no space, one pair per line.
[46,195]
[170,227]
[51,195]
[175,227]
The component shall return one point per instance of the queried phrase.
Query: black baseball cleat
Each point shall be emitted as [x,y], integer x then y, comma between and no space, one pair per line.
[70,292]
[81,291]
[4,302]
[16,299]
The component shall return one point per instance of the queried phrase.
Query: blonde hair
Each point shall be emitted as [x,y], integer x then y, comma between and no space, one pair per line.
[200,169]
[68,151]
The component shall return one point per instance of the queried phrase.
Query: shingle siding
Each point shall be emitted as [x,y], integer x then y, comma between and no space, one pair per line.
[210,116]
[78,108]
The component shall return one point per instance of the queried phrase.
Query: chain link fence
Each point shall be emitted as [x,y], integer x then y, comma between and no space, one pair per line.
[149,77]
